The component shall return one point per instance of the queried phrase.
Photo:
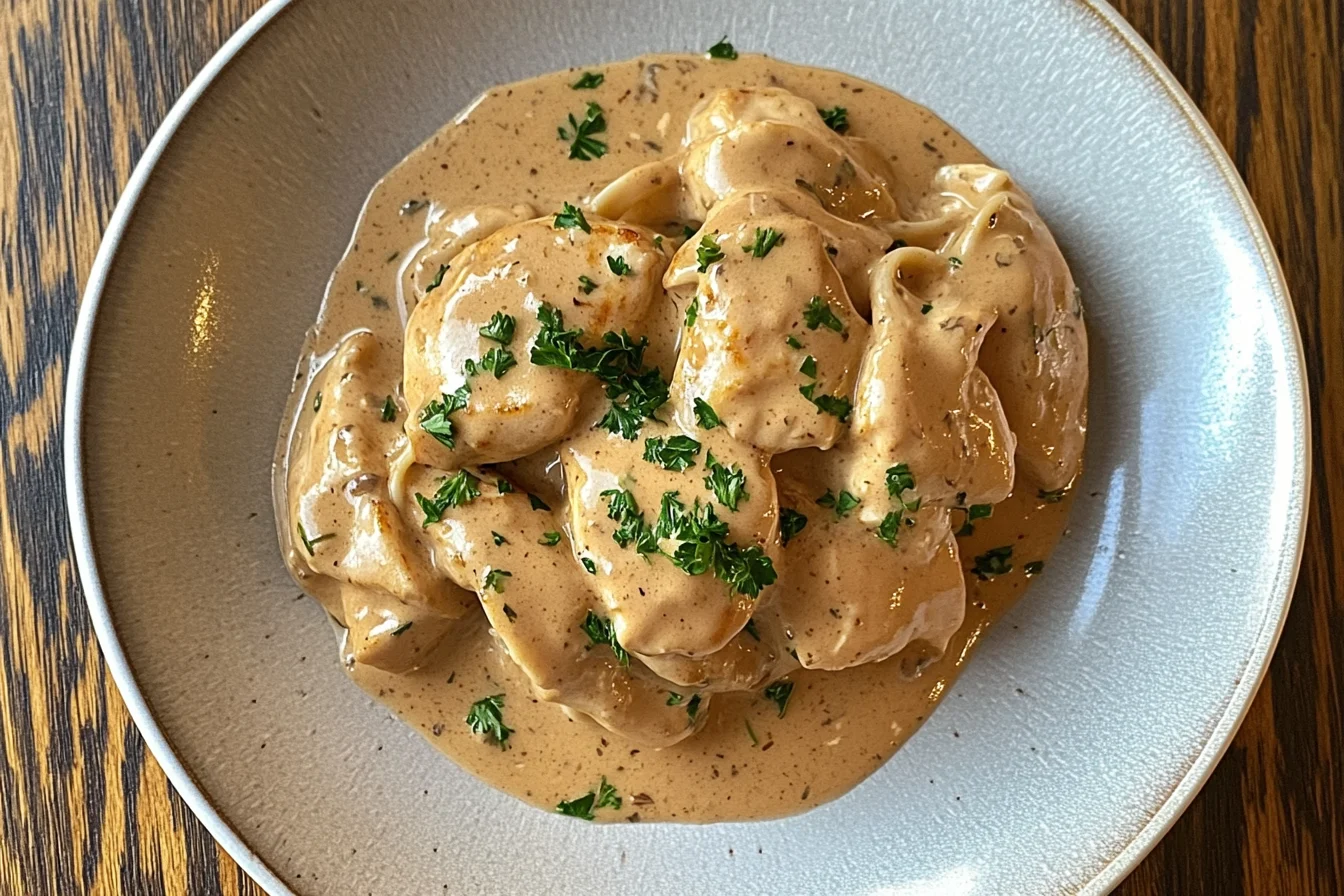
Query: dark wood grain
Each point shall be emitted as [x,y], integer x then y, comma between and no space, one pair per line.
[84,808]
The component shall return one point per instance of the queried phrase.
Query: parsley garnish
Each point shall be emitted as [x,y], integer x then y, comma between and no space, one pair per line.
[974,512]
[793,342]
[500,329]
[537,503]
[602,631]
[309,542]
[589,565]
[791,522]
[571,216]
[1054,496]
[675,453]
[819,313]
[583,145]
[494,580]
[434,418]
[674,699]
[842,505]
[692,311]
[722,50]
[994,562]
[705,416]
[389,409]
[899,479]
[503,486]
[765,240]
[728,483]
[889,530]
[751,734]
[954,261]
[705,547]
[618,265]
[693,708]
[836,118]
[458,489]
[1034,567]
[586,284]
[498,539]
[486,718]
[809,367]
[437,279]
[588,80]
[708,252]
[550,539]
[317,403]
[779,693]
[631,527]
[499,361]
[835,405]
[925,308]
[582,807]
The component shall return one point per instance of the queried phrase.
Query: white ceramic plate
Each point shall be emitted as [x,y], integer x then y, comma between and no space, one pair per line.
[1089,719]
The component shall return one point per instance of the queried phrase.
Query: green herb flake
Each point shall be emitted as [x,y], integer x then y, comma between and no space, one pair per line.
[819,313]
[692,311]
[619,266]
[836,118]
[889,530]
[722,50]
[728,483]
[791,522]
[498,361]
[389,409]
[434,418]
[675,453]
[809,367]
[836,405]
[486,718]
[1034,567]
[503,486]
[843,504]
[582,144]
[570,217]
[793,342]
[994,562]
[494,580]
[979,511]
[458,489]
[601,631]
[537,503]
[498,539]
[765,240]
[705,416]
[674,699]
[954,261]
[925,308]
[550,539]
[779,694]
[308,543]
[589,565]
[500,328]
[751,734]
[693,708]
[437,280]
[317,403]
[588,81]
[899,479]
[705,547]
[631,527]
[606,797]
[707,253]
[586,284]
[1053,496]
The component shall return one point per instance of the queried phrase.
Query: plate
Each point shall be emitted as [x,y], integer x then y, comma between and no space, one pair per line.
[1089,719]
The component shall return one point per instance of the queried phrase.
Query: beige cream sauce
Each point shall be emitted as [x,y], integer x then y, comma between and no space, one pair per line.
[747,761]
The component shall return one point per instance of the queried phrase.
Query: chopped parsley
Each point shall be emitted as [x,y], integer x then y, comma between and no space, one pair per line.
[728,483]
[571,216]
[601,631]
[954,261]
[692,311]
[317,403]
[843,504]
[309,542]
[675,453]
[925,308]
[582,144]
[631,527]
[498,539]
[389,409]
[994,562]
[500,328]
[899,481]
[693,708]
[503,486]
[819,313]
[751,734]
[705,415]
[619,266]
[550,539]
[836,118]
[791,522]
[974,512]
[588,81]
[494,580]
[793,342]
[582,807]
[809,367]
[1034,567]
[674,699]
[836,405]
[778,694]
[434,418]
[708,252]
[437,280]
[586,284]
[589,565]
[537,503]
[722,50]
[705,547]
[458,489]
[486,718]
[498,361]
[889,530]
[766,239]
[1053,496]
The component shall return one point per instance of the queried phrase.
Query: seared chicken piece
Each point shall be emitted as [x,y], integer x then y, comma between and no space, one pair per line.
[846,596]
[617,500]
[772,343]
[756,655]
[350,545]
[537,606]
[446,235]
[475,395]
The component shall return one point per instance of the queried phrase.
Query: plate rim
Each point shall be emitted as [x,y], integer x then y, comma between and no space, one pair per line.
[1108,876]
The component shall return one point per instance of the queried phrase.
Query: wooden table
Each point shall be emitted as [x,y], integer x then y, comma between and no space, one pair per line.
[85,808]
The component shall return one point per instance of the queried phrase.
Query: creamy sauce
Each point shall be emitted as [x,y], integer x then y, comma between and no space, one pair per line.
[947,317]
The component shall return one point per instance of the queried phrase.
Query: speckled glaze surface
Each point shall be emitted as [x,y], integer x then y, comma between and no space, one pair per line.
[1090,717]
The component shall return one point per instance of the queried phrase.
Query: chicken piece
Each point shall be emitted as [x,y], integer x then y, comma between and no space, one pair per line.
[848,597]
[447,235]
[921,400]
[474,381]
[753,657]
[1010,276]
[617,498]
[349,545]
[537,605]
[774,344]
[389,633]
